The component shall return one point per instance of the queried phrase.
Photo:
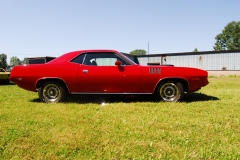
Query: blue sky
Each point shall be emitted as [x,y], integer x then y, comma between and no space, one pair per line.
[30,28]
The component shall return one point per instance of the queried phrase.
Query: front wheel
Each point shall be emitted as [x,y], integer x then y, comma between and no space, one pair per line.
[52,92]
[170,92]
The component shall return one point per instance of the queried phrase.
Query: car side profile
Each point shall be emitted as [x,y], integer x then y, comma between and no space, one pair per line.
[106,72]
[4,76]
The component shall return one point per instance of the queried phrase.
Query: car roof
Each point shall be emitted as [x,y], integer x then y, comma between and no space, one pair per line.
[70,55]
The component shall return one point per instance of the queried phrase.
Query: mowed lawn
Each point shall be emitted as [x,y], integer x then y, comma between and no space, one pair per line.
[206,125]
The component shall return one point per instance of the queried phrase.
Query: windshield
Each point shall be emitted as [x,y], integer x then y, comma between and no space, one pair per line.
[128,58]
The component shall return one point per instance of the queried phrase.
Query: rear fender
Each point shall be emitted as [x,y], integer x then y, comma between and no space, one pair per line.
[42,81]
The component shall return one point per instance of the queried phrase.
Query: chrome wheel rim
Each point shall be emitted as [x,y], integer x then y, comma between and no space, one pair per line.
[51,92]
[169,92]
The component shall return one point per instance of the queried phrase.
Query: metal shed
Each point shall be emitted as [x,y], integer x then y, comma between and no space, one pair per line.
[209,60]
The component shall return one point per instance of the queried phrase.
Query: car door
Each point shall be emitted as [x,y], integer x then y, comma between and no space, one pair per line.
[99,74]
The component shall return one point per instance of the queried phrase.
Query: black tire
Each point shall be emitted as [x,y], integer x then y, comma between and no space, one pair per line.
[170,92]
[6,81]
[52,92]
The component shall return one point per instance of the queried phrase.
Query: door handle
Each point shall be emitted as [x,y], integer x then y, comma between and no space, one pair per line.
[84,71]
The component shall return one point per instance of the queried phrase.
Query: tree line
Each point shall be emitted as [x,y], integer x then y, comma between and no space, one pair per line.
[229,39]
[14,61]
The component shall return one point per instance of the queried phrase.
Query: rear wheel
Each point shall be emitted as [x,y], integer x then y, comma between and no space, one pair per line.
[52,92]
[170,92]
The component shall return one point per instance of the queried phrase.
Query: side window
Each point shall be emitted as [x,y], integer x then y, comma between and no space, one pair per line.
[79,59]
[106,60]
[103,59]
[90,59]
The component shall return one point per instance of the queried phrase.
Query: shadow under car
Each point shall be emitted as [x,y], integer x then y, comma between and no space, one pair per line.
[98,99]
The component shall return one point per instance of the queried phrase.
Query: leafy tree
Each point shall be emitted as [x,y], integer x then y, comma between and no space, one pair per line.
[138,52]
[195,50]
[14,61]
[24,61]
[3,61]
[229,39]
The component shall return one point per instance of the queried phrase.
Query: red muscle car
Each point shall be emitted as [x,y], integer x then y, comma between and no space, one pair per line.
[106,72]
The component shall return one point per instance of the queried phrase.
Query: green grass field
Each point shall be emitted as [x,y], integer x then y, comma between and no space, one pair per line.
[206,125]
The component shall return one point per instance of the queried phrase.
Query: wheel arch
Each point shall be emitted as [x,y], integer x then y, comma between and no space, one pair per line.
[42,81]
[183,81]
